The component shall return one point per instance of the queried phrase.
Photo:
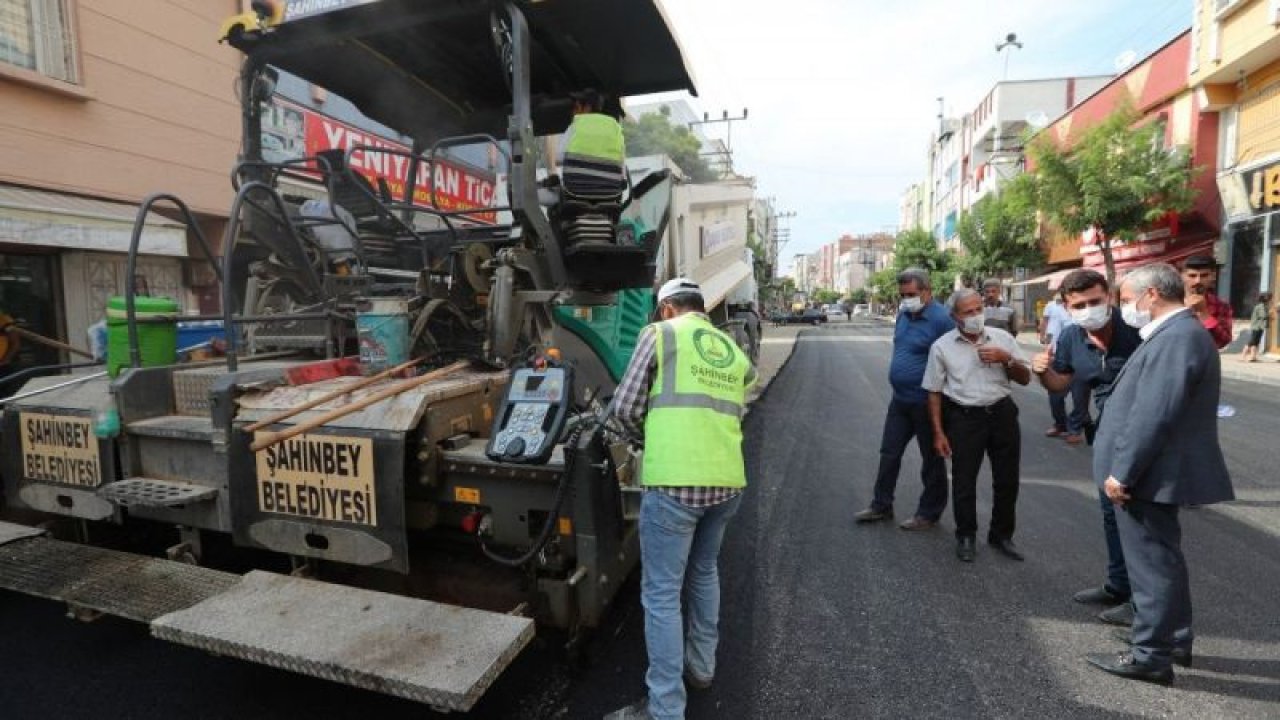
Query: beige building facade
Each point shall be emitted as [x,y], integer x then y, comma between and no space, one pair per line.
[103,103]
[1235,71]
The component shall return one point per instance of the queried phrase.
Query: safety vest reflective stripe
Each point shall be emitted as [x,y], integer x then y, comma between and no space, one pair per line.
[667,395]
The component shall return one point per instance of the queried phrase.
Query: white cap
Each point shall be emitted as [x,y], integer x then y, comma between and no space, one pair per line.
[678,286]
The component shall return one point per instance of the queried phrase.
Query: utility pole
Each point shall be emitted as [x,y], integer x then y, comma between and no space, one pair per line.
[727,155]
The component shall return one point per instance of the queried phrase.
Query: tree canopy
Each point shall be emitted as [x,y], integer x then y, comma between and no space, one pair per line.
[916,248]
[653,134]
[999,233]
[1117,179]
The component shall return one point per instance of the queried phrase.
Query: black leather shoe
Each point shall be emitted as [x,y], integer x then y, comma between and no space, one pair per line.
[1121,615]
[1180,656]
[1099,596]
[966,550]
[694,682]
[1006,547]
[871,515]
[1123,665]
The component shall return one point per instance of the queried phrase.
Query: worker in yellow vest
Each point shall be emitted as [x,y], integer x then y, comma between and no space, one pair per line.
[684,394]
[593,154]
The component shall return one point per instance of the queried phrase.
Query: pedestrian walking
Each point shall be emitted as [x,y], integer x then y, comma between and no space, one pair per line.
[921,321]
[969,378]
[1258,321]
[994,310]
[684,393]
[1200,278]
[1091,352]
[1157,449]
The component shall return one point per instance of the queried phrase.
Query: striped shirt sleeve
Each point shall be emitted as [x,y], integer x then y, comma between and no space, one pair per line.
[631,400]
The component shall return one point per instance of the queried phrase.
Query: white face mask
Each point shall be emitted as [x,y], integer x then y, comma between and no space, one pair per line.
[911,304]
[973,324]
[1133,317]
[1091,318]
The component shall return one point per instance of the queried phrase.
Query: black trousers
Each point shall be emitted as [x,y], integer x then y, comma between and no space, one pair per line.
[974,432]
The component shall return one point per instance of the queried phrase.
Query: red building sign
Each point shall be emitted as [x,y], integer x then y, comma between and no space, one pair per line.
[291,131]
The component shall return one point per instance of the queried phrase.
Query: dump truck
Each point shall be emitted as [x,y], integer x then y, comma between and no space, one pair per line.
[706,240]
[404,378]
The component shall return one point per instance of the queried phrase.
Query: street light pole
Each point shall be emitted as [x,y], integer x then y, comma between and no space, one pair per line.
[1010,42]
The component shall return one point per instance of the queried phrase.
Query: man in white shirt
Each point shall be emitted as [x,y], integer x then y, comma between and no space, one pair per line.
[968,377]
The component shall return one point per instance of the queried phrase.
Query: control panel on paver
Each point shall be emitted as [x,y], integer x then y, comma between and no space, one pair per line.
[532,415]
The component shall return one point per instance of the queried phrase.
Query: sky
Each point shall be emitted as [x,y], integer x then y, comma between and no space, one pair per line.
[842,94]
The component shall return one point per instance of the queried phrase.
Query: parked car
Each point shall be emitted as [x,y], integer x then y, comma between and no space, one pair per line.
[862,310]
[808,316]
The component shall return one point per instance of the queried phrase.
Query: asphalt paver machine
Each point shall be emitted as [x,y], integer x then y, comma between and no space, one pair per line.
[489,442]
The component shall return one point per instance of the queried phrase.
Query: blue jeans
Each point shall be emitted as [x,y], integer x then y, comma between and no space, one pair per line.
[903,421]
[1117,573]
[679,550]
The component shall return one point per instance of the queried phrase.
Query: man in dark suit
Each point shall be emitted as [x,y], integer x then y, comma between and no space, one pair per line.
[1157,449]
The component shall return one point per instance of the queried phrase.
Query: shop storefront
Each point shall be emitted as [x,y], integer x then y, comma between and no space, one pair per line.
[1251,202]
[62,256]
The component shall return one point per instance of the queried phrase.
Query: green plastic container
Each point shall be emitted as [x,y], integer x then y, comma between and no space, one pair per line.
[158,342]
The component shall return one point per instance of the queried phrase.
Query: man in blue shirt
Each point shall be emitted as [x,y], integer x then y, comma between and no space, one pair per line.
[1092,351]
[920,322]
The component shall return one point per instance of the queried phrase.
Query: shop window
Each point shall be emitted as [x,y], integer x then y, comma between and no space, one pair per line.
[1229,137]
[1246,264]
[37,35]
[27,298]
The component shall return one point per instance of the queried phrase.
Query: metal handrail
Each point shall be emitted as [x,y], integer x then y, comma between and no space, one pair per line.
[130,295]
[233,231]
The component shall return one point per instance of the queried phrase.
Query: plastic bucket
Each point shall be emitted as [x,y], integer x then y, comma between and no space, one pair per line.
[157,342]
[382,327]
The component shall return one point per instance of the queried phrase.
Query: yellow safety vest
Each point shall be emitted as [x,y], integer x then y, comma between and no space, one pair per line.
[693,429]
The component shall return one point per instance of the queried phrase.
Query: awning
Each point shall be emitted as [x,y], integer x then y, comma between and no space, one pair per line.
[49,219]
[1054,279]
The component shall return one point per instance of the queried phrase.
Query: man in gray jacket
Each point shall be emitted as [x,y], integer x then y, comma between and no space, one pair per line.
[1157,449]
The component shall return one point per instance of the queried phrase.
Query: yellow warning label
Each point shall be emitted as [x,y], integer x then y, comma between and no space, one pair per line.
[466,495]
[322,477]
[59,449]
[566,526]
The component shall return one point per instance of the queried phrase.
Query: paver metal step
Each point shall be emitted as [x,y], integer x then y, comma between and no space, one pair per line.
[149,492]
[130,586]
[174,427]
[442,655]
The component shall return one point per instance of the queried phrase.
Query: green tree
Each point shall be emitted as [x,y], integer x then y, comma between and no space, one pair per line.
[1117,179]
[653,134]
[916,248]
[999,233]
[884,285]
[825,297]
[858,296]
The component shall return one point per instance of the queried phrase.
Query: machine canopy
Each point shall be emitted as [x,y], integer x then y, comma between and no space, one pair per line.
[432,68]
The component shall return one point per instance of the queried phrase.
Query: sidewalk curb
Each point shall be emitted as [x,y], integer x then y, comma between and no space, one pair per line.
[758,394]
